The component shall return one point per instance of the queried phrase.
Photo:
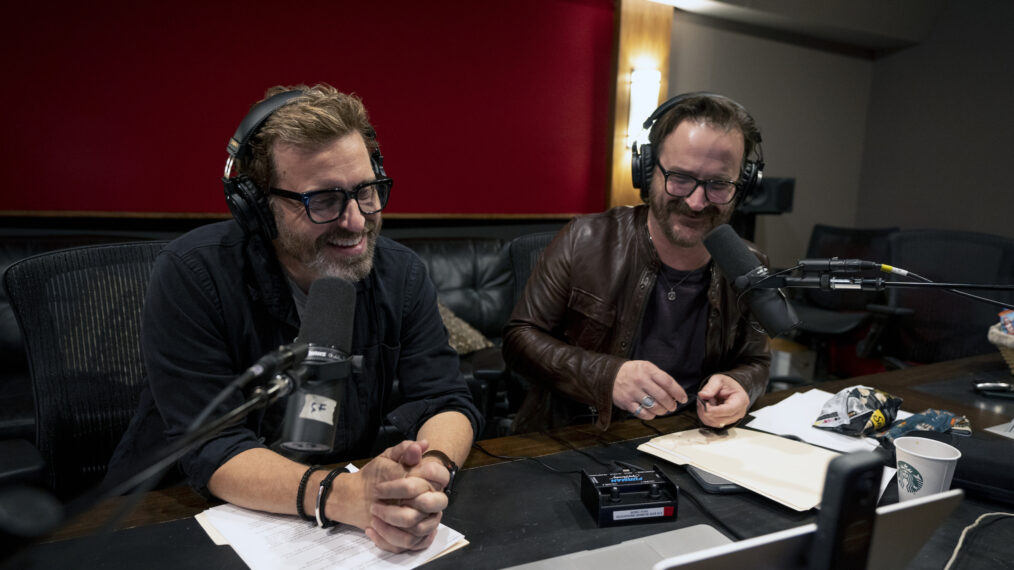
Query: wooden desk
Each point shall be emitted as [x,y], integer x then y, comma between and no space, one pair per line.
[180,502]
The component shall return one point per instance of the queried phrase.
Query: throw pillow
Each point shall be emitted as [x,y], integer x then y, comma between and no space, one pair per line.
[464,338]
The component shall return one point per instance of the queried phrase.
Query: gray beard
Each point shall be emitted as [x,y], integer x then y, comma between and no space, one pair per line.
[353,270]
[312,255]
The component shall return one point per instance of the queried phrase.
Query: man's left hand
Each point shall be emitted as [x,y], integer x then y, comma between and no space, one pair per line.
[722,401]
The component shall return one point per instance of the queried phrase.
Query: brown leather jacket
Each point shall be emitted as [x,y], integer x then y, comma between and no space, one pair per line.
[581,312]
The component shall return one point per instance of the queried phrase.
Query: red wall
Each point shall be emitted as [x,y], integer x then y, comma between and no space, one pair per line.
[480,107]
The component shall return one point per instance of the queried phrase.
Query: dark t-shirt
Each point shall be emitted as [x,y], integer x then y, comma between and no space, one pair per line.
[672,331]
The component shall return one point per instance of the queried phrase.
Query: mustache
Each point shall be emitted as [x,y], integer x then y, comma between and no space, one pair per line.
[339,234]
[679,206]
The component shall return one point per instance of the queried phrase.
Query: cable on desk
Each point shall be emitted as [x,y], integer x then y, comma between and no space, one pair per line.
[479,446]
[649,426]
[707,512]
[571,446]
[964,533]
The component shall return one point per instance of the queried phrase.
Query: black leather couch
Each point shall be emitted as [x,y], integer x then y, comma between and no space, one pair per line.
[474,278]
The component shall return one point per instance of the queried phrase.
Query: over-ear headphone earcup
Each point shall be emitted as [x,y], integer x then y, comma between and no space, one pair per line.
[752,175]
[377,162]
[249,207]
[642,164]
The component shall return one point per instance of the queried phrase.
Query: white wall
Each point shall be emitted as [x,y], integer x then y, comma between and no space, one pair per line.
[940,140]
[811,106]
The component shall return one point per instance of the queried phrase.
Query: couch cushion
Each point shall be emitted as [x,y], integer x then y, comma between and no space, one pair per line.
[472,276]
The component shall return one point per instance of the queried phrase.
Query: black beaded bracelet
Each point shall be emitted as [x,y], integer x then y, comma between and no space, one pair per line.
[322,493]
[301,493]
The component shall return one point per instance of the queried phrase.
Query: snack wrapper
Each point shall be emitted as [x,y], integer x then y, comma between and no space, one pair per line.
[858,411]
[1007,321]
[928,420]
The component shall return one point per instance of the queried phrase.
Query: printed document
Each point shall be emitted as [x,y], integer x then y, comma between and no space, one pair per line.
[267,541]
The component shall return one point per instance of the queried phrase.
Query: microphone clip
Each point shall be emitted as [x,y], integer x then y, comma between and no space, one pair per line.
[752,278]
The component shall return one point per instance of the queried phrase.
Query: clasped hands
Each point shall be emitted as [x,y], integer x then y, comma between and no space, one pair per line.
[401,497]
[647,391]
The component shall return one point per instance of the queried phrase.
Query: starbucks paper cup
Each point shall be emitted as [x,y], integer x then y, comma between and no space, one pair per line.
[925,466]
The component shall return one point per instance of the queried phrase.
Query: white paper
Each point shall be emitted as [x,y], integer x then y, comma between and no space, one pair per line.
[267,541]
[795,416]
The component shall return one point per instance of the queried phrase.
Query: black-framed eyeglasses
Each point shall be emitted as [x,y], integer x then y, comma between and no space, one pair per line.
[324,206]
[681,185]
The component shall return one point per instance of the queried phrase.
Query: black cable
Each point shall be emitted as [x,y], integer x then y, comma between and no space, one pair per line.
[479,446]
[570,446]
[683,491]
[649,426]
[707,512]
[700,506]
[955,291]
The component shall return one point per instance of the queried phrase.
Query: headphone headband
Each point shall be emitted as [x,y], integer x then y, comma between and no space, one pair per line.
[238,146]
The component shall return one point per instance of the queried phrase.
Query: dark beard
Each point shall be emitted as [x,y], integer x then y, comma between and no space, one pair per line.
[708,219]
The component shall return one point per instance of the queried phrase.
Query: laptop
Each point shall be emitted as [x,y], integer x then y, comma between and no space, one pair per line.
[899,532]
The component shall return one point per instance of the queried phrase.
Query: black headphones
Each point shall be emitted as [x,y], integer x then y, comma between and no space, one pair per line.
[642,162]
[248,204]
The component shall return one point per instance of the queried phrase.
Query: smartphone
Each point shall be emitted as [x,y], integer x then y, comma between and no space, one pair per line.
[712,483]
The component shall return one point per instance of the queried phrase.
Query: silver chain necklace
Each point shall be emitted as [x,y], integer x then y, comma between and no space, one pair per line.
[671,295]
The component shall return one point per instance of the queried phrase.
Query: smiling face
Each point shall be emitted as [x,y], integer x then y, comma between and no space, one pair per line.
[341,248]
[705,152]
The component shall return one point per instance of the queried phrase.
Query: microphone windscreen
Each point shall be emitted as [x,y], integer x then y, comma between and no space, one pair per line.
[734,259]
[329,314]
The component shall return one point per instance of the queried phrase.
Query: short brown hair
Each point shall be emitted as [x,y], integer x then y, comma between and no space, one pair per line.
[317,117]
[712,109]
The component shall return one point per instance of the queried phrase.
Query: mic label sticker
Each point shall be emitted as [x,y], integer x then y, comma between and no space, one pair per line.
[319,408]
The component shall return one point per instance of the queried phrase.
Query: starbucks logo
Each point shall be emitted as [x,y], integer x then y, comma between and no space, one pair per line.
[909,477]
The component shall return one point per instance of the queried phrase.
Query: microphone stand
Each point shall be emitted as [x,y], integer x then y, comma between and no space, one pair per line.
[828,281]
[142,481]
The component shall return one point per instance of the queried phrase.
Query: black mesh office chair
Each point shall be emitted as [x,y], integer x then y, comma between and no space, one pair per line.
[79,310]
[943,326]
[525,251]
[832,321]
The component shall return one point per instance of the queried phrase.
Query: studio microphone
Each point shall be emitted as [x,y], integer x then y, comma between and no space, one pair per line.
[311,414]
[742,268]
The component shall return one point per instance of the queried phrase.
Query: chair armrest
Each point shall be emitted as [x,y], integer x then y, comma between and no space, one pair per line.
[20,462]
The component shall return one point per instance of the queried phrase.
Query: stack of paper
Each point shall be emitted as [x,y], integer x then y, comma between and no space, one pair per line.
[268,541]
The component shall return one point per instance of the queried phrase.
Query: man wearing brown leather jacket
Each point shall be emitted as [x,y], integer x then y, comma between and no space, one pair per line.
[626,310]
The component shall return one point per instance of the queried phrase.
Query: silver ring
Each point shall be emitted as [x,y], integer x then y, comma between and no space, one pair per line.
[638,410]
[648,401]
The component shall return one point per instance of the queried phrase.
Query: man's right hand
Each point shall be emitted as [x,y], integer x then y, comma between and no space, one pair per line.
[639,378]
